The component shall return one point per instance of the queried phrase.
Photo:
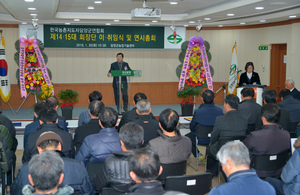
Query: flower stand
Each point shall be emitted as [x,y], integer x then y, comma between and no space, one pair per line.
[187,109]
[67,112]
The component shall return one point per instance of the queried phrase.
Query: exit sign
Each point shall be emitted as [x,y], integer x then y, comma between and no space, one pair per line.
[262,47]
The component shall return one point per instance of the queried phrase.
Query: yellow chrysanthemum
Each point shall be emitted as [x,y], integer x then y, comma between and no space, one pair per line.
[29,78]
[31,84]
[27,86]
[37,82]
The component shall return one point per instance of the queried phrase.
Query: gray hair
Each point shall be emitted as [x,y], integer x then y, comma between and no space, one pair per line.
[132,135]
[291,81]
[143,106]
[46,169]
[236,151]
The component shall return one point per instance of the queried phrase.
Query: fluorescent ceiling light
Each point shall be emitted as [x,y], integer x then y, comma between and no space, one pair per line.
[154,20]
[97,2]
[67,23]
[91,7]
[29,0]
[220,25]
[262,21]
[116,20]
[173,3]
[191,22]
[147,24]
[230,14]
[259,8]
[186,25]
[108,24]
[76,20]
[242,23]
[32,8]
[24,23]
[33,14]
[206,18]
[293,16]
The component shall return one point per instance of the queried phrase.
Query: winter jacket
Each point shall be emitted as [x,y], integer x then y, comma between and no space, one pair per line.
[97,147]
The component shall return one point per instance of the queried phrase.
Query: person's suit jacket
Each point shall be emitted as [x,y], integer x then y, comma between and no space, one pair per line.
[293,106]
[231,124]
[296,94]
[251,110]
[115,66]
[269,140]
[244,79]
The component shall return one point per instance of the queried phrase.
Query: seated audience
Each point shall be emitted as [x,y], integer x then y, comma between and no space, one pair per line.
[53,103]
[269,96]
[231,125]
[170,146]
[144,169]
[46,174]
[85,117]
[291,104]
[290,176]
[115,170]
[12,131]
[234,158]
[32,127]
[48,120]
[78,179]
[250,109]
[132,115]
[92,127]
[97,147]
[146,120]
[290,85]
[205,115]
[270,139]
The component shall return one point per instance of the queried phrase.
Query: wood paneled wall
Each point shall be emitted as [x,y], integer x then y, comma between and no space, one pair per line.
[158,93]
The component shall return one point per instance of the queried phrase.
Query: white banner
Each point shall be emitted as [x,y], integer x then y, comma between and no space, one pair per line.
[233,76]
[174,40]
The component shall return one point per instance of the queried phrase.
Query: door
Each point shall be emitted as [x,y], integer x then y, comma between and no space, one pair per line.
[277,67]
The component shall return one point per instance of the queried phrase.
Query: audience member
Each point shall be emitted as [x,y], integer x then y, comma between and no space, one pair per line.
[48,120]
[78,179]
[85,116]
[290,85]
[12,131]
[32,127]
[269,96]
[270,139]
[144,169]
[231,125]
[146,120]
[132,115]
[92,127]
[290,176]
[97,147]
[291,104]
[53,103]
[170,146]
[250,109]
[115,170]
[205,115]
[234,158]
[46,174]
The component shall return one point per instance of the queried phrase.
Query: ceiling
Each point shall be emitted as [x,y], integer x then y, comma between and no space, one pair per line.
[65,11]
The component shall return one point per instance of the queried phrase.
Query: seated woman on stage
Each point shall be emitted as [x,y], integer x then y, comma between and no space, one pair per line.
[249,77]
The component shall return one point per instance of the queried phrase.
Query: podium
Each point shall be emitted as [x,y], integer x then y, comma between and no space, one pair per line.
[125,73]
[258,90]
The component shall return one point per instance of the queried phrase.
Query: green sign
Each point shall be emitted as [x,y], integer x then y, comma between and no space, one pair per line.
[130,73]
[125,37]
[262,47]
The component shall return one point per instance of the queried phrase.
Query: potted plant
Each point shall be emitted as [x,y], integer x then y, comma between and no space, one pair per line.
[69,98]
[188,94]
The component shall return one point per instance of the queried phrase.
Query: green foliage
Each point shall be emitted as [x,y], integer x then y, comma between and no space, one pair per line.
[68,94]
[189,91]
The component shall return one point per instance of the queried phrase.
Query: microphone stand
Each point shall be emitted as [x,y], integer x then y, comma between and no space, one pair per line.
[224,86]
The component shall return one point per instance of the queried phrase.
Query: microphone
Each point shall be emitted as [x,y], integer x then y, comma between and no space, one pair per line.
[239,71]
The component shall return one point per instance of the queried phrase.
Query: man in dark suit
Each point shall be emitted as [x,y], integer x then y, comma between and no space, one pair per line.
[132,115]
[92,127]
[270,139]
[269,96]
[232,124]
[250,109]
[291,104]
[120,65]
[290,85]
